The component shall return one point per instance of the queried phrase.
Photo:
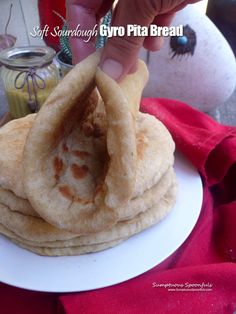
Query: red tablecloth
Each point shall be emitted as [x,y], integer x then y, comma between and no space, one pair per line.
[206,259]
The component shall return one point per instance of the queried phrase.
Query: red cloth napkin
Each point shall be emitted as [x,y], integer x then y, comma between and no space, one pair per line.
[206,259]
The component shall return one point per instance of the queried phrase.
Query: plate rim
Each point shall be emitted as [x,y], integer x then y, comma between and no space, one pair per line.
[179,158]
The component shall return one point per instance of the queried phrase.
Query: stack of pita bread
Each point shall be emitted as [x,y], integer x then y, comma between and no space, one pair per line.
[89,170]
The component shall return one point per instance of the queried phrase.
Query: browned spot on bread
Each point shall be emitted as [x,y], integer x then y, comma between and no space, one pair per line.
[66,192]
[58,167]
[141,144]
[60,131]
[79,172]
[82,201]
[87,128]
[98,131]
[90,104]
[81,154]
[99,188]
[65,148]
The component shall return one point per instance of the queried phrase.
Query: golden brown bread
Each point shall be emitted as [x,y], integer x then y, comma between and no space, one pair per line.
[95,170]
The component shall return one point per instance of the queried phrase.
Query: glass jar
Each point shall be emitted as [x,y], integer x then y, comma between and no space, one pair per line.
[63,66]
[29,76]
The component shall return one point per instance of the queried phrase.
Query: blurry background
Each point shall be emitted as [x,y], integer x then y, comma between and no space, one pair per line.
[24,18]
[223,14]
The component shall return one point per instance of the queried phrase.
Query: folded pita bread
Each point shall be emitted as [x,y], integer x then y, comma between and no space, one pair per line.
[79,182]
[95,170]
[134,207]
[106,238]
[37,230]
[12,167]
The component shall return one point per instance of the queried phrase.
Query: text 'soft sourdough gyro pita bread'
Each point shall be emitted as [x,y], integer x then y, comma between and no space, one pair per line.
[79,172]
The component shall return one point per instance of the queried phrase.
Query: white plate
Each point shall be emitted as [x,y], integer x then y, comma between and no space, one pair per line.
[24,269]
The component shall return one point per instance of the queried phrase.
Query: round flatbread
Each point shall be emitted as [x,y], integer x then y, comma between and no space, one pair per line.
[67,251]
[134,207]
[12,141]
[78,180]
[97,241]
[16,203]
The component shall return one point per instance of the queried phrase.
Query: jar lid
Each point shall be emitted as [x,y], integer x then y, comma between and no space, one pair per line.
[26,57]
